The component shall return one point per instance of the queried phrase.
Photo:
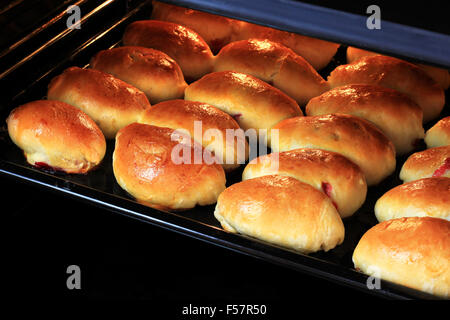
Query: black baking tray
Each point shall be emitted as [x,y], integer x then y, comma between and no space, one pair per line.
[28,79]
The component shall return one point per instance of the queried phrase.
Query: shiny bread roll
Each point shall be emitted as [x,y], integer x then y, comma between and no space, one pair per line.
[433,162]
[439,134]
[110,102]
[204,123]
[274,64]
[353,137]
[441,76]
[150,70]
[391,111]
[252,102]
[413,252]
[395,74]
[56,136]
[283,211]
[339,178]
[147,164]
[316,51]
[182,44]
[216,30]
[419,198]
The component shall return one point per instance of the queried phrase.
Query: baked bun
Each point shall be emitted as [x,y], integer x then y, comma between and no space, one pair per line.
[57,136]
[317,52]
[150,70]
[441,76]
[433,162]
[419,198]
[413,252]
[395,74]
[336,176]
[252,102]
[393,112]
[182,114]
[439,134]
[353,137]
[110,102]
[274,64]
[182,44]
[145,167]
[216,30]
[283,211]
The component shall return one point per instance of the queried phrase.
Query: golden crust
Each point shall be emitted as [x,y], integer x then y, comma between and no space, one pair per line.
[395,74]
[414,252]
[419,198]
[182,114]
[254,103]
[110,102]
[441,76]
[144,166]
[274,64]
[57,135]
[424,164]
[336,176]
[391,111]
[149,70]
[182,44]
[439,134]
[353,137]
[283,211]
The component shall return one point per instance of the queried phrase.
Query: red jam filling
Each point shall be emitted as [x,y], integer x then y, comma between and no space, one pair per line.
[327,189]
[442,169]
[236,116]
[46,167]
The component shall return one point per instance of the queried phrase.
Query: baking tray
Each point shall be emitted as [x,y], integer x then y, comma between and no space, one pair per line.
[99,187]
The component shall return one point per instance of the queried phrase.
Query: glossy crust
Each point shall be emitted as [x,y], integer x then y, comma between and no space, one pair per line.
[414,252]
[182,44]
[439,134]
[393,112]
[395,74]
[428,163]
[419,198]
[144,166]
[274,64]
[56,135]
[283,211]
[441,76]
[110,102]
[336,176]
[254,103]
[317,52]
[353,137]
[182,114]
[216,30]
[150,70]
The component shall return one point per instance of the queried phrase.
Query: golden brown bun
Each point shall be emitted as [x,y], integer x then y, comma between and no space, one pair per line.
[110,102]
[353,137]
[336,176]
[441,76]
[393,112]
[58,136]
[254,103]
[274,64]
[439,134]
[317,52]
[182,114]
[144,166]
[413,252]
[182,44]
[419,198]
[216,30]
[283,211]
[150,70]
[433,162]
[395,74]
